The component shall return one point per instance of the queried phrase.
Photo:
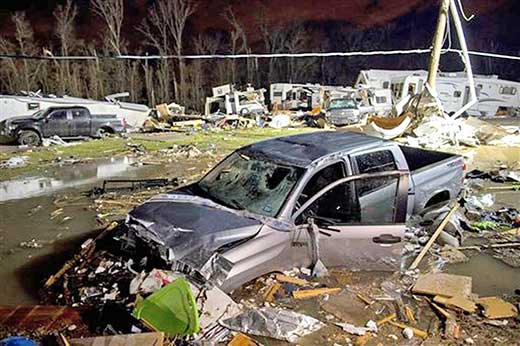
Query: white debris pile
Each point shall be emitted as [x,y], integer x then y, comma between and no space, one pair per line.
[436,131]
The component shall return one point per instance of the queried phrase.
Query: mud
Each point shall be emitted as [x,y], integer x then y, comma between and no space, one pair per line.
[35,239]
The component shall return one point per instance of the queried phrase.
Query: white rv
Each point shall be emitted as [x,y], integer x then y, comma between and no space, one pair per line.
[227,100]
[294,96]
[493,94]
[13,105]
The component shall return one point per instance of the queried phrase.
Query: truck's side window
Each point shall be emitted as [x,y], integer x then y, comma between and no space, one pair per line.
[341,205]
[323,178]
[378,161]
[79,114]
[59,115]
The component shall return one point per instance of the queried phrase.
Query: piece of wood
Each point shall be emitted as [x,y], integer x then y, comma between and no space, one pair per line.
[442,284]
[306,294]
[242,340]
[430,242]
[84,252]
[386,319]
[271,291]
[151,339]
[496,308]
[409,314]
[291,280]
[364,299]
[457,303]
[416,332]
[441,310]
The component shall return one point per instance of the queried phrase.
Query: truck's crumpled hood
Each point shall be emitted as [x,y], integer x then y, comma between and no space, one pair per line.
[190,227]
[21,119]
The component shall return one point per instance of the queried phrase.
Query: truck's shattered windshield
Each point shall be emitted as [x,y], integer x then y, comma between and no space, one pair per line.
[248,183]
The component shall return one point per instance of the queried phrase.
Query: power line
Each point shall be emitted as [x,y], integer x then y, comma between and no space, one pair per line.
[258,56]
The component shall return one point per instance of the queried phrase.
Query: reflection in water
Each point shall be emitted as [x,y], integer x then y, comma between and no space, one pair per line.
[68,177]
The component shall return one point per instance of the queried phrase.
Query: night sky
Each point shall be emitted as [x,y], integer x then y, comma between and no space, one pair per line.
[496,20]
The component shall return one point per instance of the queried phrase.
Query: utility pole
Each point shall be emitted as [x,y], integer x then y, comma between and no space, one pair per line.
[438,38]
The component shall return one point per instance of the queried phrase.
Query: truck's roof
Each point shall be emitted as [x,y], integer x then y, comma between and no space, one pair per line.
[302,150]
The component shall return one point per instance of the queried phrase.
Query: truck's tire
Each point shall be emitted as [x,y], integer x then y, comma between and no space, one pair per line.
[30,138]
[103,133]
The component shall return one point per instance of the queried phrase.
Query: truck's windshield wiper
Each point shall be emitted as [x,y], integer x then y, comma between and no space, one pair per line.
[236,204]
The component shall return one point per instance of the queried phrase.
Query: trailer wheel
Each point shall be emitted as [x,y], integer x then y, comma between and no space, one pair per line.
[30,138]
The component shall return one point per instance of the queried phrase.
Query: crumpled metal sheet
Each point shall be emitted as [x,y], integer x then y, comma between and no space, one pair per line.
[274,323]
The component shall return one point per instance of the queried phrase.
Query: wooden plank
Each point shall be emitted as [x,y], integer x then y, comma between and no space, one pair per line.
[305,294]
[430,242]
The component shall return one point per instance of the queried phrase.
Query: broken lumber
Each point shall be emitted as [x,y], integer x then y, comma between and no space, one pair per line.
[430,242]
[416,332]
[84,252]
[457,302]
[386,319]
[291,280]
[305,294]
[271,291]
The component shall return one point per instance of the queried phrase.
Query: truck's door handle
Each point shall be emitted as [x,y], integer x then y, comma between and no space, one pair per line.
[386,239]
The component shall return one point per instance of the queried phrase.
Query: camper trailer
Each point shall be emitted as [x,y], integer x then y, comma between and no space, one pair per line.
[20,105]
[289,96]
[227,100]
[494,95]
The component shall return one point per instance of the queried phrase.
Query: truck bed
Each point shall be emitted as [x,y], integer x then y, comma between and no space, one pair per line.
[420,158]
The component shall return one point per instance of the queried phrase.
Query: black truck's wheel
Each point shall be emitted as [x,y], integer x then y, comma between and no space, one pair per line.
[29,137]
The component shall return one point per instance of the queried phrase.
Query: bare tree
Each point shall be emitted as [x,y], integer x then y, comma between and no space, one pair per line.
[26,45]
[65,31]
[167,19]
[238,43]
[112,13]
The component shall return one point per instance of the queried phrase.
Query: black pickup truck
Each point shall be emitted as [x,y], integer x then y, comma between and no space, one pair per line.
[65,122]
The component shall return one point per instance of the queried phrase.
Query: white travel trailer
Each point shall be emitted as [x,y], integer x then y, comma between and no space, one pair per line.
[382,79]
[227,100]
[493,94]
[134,114]
[294,96]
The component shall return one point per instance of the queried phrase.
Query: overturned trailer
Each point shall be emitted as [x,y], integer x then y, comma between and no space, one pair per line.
[494,95]
[289,96]
[21,105]
[228,100]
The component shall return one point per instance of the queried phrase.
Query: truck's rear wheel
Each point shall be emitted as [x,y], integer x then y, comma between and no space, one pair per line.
[102,133]
[29,137]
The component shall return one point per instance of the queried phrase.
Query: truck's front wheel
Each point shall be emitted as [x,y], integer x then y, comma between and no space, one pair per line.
[29,137]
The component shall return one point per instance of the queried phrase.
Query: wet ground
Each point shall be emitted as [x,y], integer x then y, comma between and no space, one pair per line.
[28,208]
[45,218]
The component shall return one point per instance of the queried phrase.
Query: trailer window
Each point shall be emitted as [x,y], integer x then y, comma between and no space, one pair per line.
[508,90]
[457,94]
[380,99]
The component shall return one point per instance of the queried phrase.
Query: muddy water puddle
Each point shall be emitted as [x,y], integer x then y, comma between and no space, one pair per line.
[65,177]
[490,275]
[36,238]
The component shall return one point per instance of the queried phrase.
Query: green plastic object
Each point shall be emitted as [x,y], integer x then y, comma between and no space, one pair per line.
[172,310]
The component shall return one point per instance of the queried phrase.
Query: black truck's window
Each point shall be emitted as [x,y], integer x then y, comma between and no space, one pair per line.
[342,206]
[378,161]
[79,114]
[59,115]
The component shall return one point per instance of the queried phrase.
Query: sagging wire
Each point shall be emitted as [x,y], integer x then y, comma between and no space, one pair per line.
[466,18]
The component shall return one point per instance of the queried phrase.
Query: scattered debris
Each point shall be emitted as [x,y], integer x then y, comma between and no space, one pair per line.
[274,323]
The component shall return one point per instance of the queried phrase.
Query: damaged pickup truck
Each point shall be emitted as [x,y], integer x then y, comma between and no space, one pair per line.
[337,199]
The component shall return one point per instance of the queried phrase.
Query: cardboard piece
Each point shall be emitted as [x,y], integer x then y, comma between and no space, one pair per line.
[496,308]
[441,284]
[155,339]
